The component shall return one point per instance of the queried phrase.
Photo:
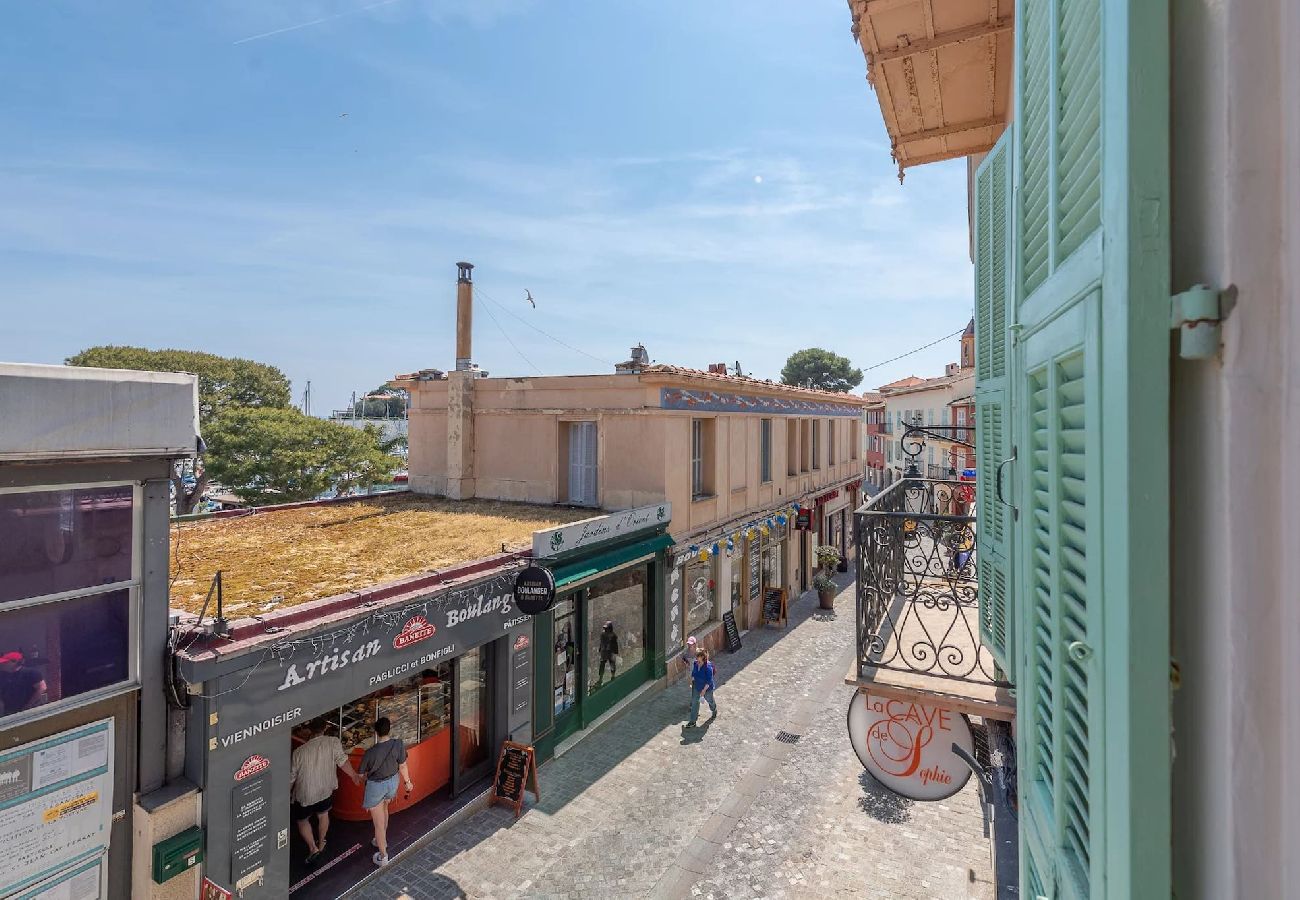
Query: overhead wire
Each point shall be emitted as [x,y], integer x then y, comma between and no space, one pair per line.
[485,295]
[917,350]
[488,310]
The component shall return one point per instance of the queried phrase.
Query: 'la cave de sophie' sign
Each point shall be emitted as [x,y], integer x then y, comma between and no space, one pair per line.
[907,746]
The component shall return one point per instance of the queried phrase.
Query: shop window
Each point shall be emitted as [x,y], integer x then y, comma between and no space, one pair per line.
[765,450]
[791,447]
[700,596]
[702,465]
[582,464]
[56,541]
[59,650]
[616,606]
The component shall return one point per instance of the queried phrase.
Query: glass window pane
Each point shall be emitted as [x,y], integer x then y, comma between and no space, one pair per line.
[472,712]
[55,541]
[58,650]
[615,625]
[701,596]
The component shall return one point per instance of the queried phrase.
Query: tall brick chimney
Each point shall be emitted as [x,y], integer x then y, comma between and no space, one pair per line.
[460,393]
[464,315]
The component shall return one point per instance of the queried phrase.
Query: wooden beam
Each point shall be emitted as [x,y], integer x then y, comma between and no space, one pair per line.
[907,163]
[956,128]
[947,39]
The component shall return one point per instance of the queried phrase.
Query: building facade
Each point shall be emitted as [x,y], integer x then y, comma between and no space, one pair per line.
[88,772]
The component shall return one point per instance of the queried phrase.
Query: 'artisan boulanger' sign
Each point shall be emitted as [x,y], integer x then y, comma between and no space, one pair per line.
[316,670]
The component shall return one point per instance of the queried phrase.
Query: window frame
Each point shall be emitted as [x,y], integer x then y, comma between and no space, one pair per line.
[134,588]
[815,444]
[830,442]
[765,451]
[703,456]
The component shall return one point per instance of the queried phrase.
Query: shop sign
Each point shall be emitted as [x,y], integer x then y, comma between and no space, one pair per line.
[415,630]
[56,798]
[907,746]
[213,891]
[803,519]
[251,766]
[327,667]
[250,829]
[534,590]
[598,530]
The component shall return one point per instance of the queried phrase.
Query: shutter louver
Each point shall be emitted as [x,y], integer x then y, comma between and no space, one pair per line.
[992,289]
[1091,137]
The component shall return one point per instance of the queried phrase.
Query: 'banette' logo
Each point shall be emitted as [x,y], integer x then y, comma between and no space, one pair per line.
[416,629]
[252,766]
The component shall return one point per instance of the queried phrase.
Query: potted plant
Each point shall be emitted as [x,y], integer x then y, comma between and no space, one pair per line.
[828,557]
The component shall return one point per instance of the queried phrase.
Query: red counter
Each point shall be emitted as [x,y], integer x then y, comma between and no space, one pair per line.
[429,763]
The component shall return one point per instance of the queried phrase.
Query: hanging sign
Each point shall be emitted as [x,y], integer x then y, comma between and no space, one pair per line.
[907,746]
[534,590]
[803,519]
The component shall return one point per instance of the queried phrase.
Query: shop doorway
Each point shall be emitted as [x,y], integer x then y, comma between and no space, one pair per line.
[566,653]
[472,739]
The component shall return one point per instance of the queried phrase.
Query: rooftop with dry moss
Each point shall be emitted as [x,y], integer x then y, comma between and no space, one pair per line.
[278,558]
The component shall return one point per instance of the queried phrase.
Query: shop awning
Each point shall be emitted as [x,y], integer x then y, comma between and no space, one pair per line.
[941,71]
[580,570]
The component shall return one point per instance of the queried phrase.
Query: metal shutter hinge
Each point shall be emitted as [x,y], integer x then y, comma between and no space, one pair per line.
[1197,314]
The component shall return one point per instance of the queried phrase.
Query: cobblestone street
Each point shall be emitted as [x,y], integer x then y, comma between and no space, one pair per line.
[644,808]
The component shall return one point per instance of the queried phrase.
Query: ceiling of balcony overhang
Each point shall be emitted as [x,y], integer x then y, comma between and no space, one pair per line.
[941,70]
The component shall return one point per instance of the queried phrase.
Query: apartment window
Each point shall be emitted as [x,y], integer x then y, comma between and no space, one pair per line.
[791,447]
[68,593]
[805,444]
[582,464]
[701,458]
[830,441]
[765,450]
[855,438]
[961,416]
[944,420]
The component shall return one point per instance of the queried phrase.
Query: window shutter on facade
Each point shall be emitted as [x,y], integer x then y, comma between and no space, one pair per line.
[582,463]
[992,448]
[1088,377]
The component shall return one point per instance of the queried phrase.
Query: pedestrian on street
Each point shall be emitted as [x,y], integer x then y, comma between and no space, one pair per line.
[313,778]
[702,682]
[608,652]
[381,766]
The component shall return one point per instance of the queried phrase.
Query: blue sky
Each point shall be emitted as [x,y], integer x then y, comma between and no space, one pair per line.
[712,179]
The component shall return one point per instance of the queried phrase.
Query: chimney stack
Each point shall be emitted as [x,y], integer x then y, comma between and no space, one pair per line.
[464,316]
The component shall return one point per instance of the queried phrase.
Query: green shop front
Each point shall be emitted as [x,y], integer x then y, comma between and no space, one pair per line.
[602,639]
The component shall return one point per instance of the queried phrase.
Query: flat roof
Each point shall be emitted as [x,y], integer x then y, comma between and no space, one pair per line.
[278,558]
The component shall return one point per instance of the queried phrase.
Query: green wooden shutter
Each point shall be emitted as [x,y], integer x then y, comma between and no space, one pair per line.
[992,448]
[1088,376]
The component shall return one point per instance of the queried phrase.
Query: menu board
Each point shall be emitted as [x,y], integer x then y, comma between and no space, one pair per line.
[521,678]
[755,571]
[56,805]
[774,606]
[516,770]
[733,633]
[251,809]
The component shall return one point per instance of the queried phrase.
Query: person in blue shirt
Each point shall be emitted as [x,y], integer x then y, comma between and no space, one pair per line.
[701,682]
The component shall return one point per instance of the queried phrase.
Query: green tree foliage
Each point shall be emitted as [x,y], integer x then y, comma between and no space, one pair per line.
[383,402]
[224,382]
[820,368]
[275,455]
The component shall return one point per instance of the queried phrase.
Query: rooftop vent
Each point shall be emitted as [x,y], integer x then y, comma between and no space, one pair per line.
[640,359]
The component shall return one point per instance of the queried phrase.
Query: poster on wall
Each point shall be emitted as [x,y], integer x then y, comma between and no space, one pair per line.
[251,823]
[81,882]
[56,809]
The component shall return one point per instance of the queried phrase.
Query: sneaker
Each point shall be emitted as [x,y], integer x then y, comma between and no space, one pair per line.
[380,859]
[690,725]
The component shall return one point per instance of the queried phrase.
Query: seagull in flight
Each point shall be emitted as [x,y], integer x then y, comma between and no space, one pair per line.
[529,297]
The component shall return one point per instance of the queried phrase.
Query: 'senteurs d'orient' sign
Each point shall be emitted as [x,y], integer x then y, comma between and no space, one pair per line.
[598,530]
[534,590]
[907,746]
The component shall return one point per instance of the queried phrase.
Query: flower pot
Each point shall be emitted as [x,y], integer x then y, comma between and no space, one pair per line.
[826,599]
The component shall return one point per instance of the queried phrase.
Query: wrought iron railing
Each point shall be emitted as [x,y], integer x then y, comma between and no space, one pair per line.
[917,591]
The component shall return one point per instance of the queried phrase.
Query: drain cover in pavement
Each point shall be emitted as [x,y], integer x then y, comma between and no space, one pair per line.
[786,737]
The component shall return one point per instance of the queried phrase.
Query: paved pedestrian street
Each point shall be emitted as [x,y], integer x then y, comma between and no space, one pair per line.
[645,808]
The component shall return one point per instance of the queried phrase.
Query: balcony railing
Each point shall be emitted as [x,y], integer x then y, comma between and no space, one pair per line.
[917,593]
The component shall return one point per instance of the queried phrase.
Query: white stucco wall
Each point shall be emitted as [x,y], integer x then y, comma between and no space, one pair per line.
[1235,439]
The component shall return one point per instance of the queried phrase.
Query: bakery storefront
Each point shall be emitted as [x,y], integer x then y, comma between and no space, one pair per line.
[448,666]
[599,642]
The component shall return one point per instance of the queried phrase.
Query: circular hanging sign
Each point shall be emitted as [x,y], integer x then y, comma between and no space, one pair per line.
[534,590]
[907,746]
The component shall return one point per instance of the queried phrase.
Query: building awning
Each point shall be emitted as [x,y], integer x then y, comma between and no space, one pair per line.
[941,71]
[570,573]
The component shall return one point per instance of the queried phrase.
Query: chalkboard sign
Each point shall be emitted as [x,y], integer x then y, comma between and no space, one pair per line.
[516,770]
[733,633]
[774,606]
[755,572]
